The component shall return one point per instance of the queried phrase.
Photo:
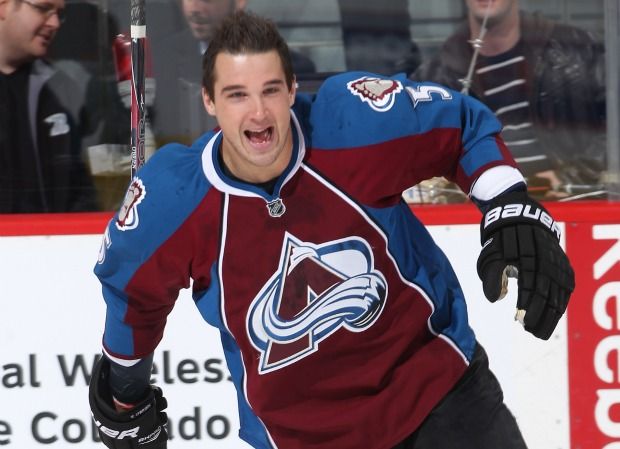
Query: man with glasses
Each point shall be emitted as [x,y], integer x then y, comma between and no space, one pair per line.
[41,169]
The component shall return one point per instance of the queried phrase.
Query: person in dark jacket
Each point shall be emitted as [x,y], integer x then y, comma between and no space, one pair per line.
[544,80]
[179,115]
[41,167]
[377,37]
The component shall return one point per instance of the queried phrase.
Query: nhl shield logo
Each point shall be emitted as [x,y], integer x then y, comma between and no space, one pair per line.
[276,208]
[128,214]
[379,93]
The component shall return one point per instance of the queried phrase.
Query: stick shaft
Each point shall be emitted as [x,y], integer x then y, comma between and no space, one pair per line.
[138,105]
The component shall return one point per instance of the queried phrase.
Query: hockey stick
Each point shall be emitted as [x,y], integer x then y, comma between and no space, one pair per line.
[476,44]
[138,105]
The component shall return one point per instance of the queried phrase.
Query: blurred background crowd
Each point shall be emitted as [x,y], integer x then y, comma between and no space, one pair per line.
[541,65]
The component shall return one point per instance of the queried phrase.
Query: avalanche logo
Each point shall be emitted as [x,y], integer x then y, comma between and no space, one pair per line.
[379,93]
[317,290]
[128,213]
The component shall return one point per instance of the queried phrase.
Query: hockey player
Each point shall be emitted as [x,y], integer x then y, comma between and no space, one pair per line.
[343,324]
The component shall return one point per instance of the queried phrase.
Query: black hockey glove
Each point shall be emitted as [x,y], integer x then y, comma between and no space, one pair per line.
[519,237]
[142,427]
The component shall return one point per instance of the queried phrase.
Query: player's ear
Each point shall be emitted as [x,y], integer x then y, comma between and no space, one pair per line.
[208,102]
[292,92]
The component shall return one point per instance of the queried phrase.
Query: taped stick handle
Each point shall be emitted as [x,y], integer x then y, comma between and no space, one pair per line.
[138,15]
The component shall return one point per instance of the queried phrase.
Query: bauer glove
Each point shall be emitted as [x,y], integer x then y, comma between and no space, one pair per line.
[520,239]
[142,427]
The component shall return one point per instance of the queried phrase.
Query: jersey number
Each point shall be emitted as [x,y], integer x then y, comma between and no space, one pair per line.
[424,93]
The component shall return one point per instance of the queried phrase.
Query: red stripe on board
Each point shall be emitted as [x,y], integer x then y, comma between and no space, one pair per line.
[95,222]
[54,224]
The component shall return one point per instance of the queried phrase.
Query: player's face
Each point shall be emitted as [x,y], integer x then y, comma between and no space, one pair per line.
[203,16]
[252,106]
[28,28]
[498,9]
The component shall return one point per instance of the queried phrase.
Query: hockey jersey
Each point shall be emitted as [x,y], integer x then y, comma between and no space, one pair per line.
[342,323]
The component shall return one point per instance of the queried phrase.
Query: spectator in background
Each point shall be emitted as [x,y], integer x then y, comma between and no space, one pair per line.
[93,47]
[179,114]
[41,167]
[377,38]
[544,81]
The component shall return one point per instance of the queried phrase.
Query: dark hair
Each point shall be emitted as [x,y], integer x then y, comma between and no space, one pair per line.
[245,32]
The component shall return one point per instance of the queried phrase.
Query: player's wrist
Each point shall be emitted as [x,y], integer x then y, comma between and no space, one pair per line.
[516,208]
[121,406]
[143,424]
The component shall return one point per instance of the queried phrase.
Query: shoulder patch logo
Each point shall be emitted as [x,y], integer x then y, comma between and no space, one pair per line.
[379,93]
[128,214]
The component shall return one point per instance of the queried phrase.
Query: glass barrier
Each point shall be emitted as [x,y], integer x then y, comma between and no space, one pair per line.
[543,70]
[540,66]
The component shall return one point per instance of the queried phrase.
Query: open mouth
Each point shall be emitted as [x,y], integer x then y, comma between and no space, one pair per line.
[260,137]
[45,38]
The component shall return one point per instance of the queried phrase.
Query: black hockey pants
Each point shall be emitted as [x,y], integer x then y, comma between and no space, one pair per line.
[472,416]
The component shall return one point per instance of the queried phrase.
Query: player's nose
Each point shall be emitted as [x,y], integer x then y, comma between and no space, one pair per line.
[259,109]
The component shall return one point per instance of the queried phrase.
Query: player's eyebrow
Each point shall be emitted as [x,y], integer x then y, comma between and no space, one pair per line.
[274,81]
[233,87]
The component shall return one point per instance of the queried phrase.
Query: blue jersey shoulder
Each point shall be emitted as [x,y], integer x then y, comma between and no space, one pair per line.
[355,109]
[173,183]
[159,199]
